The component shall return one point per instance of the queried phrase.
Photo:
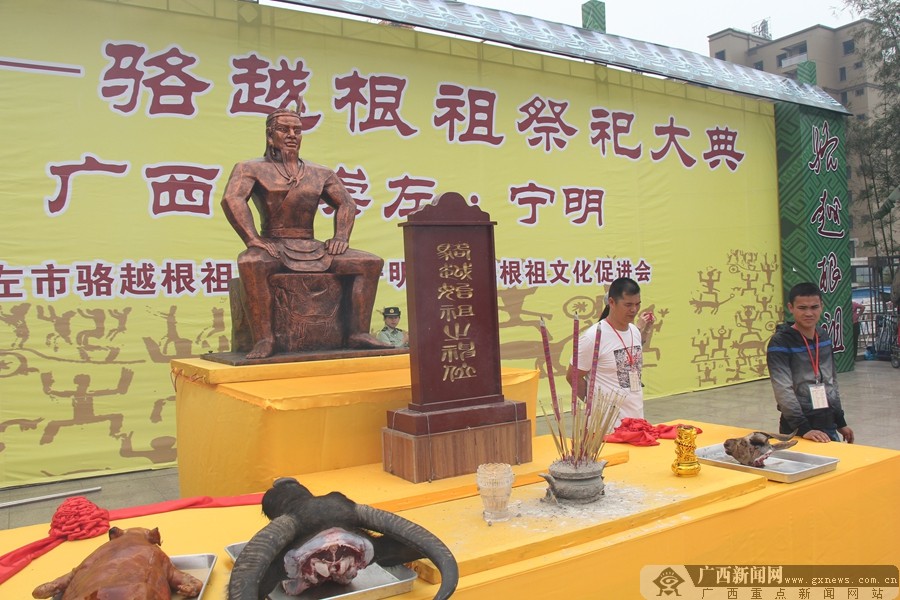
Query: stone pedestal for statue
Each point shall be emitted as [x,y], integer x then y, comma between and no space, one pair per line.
[306,312]
[458,417]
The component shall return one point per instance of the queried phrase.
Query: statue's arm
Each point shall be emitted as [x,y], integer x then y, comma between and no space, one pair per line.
[235,203]
[337,196]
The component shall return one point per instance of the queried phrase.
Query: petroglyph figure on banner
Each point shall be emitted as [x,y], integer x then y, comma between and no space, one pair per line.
[62,325]
[15,318]
[83,403]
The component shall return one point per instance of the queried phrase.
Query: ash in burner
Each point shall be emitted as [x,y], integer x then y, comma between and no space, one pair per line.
[620,501]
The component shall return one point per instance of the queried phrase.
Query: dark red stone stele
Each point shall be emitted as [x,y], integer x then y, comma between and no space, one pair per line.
[454,329]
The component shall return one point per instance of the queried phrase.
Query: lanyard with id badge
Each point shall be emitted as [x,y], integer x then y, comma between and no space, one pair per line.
[634,376]
[816,390]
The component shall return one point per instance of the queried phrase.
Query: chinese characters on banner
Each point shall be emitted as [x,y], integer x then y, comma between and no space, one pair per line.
[826,218]
[118,257]
[169,83]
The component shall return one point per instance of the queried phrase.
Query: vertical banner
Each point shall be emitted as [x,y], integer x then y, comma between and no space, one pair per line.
[814,205]
[122,125]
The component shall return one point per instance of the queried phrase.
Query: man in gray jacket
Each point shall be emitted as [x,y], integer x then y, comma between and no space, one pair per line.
[801,369]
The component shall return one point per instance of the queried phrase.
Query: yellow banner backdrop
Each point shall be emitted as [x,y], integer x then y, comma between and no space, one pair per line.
[122,122]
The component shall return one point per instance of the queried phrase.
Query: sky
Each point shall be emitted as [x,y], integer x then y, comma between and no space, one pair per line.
[688,23]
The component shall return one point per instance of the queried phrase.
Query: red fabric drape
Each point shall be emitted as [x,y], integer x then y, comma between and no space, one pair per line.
[78,518]
[639,432]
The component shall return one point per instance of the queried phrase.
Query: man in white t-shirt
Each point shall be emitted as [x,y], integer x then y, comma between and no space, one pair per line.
[620,360]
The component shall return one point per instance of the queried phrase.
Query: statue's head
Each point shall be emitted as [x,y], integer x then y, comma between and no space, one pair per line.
[282,124]
[284,131]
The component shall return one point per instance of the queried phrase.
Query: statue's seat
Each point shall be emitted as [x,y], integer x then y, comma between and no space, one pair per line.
[306,312]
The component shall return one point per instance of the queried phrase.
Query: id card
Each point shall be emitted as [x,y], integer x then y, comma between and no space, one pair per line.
[634,381]
[819,399]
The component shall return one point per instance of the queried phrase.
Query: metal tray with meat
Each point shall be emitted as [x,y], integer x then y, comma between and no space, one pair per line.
[784,466]
[372,583]
[198,565]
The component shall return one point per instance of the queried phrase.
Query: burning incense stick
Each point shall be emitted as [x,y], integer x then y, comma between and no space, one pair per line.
[589,393]
[548,362]
[592,422]
[575,364]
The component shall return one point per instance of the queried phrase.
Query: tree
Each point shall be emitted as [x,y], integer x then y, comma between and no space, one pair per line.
[875,141]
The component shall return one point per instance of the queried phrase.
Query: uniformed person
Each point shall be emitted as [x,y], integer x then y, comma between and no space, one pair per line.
[390,333]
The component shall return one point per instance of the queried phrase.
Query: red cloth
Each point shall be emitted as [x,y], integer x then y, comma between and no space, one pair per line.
[78,518]
[639,432]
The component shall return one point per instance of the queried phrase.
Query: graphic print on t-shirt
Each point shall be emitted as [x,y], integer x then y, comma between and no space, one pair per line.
[622,366]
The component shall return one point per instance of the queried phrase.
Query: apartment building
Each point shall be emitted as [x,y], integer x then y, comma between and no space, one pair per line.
[839,68]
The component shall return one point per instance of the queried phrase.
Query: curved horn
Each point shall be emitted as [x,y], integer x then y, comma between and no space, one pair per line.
[252,563]
[417,537]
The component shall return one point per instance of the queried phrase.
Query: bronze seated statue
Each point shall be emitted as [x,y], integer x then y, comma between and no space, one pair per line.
[296,293]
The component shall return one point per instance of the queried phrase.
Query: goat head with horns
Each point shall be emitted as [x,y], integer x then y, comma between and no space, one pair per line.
[313,539]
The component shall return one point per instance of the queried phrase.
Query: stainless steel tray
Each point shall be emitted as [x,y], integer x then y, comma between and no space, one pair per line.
[784,466]
[372,583]
[198,565]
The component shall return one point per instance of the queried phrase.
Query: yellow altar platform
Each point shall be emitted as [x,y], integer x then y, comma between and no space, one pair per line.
[648,517]
[240,427]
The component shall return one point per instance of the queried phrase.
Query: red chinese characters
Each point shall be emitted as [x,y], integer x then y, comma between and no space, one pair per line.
[509,272]
[559,272]
[535,272]
[623,268]
[467,113]
[138,279]
[581,272]
[604,270]
[531,196]
[50,281]
[58,204]
[512,272]
[95,280]
[214,276]
[721,148]
[828,213]
[11,282]
[396,273]
[834,325]
[177,278]
[181,189]
[583,204]
[830,273]
[544,120]
[166,75]
[824,146]
[412,192]
[611,126]
[377,97]
[672,133]
[642,271]
[100,280]
[260,88]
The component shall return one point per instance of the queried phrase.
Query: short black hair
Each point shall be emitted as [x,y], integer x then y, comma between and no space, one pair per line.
[804,289]
[622,286]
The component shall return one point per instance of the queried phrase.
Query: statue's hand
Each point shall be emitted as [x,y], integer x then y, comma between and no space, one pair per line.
[336,246]
[265,245]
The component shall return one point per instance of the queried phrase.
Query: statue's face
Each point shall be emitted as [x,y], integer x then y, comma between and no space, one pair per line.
[286,133]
